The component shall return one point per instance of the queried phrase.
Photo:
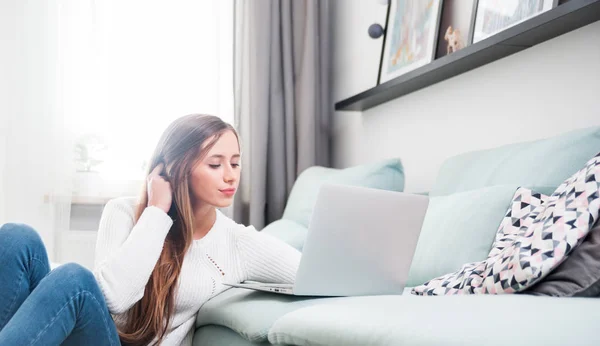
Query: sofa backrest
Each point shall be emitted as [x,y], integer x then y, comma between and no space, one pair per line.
[386,175]
[545,162]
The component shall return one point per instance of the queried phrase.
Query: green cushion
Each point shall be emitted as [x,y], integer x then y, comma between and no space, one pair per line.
[473,320]
[221,336]
[289,231]
[458,229]
[387,175]
[546,162]
[250,313]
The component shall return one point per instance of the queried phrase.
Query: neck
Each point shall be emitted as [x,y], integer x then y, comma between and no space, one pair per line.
[204,218]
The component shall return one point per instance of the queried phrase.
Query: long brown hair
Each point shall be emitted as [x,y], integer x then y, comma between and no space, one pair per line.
[179,149]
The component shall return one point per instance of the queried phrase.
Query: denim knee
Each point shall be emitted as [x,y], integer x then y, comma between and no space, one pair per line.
[20,235]
[76,276]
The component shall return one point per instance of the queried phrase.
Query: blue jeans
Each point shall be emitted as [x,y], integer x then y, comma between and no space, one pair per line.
[42,307]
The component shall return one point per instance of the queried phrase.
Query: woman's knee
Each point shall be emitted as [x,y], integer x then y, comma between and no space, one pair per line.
[18,235]
[75,275]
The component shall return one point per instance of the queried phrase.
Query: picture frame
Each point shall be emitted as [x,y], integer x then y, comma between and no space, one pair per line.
[456,26]
[493,16]
[410,38]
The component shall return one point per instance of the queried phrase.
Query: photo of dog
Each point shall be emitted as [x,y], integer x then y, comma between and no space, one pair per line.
[455,26]
[454,39]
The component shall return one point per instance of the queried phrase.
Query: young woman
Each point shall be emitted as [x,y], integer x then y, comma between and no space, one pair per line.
[158,259]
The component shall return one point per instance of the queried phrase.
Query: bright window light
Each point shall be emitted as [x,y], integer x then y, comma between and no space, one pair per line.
[132,66]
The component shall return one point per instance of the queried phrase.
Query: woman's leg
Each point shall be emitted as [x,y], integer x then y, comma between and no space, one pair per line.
[23,264]
[67,307]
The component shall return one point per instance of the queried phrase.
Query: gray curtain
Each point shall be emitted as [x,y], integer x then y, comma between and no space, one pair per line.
[283,100]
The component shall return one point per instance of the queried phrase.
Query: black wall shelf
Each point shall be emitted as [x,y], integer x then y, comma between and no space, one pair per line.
[555,22]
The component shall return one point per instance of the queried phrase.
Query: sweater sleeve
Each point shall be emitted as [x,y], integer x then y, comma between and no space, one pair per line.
[126,253]
[265,258]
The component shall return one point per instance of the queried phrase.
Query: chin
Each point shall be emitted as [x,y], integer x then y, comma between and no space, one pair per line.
[224,203]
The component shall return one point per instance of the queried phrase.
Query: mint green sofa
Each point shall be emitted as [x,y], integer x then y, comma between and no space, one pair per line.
[242,317]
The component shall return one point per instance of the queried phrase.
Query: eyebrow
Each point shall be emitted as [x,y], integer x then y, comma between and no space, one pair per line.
[223,156]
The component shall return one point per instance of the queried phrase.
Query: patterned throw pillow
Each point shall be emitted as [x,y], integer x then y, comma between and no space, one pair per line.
[525,206]
[558,226]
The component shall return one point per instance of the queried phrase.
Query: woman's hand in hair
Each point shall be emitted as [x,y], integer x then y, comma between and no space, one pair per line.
[160,193]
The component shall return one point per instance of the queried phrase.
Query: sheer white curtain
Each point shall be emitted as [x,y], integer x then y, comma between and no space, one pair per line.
[35,143]
[88,86]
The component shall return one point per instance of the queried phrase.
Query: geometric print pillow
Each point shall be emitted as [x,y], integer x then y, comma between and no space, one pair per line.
[525,206]
[557,226]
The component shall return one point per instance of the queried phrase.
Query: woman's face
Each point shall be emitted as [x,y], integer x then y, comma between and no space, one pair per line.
[215,178]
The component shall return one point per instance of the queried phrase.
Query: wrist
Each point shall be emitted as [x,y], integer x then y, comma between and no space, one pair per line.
[159,206]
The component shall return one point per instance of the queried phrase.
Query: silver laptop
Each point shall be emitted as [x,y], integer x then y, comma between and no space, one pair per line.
[360,241]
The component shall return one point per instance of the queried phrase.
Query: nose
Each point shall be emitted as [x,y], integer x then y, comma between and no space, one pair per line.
[228,174]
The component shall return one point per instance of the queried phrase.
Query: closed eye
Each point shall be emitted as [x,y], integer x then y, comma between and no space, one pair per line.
[219,165]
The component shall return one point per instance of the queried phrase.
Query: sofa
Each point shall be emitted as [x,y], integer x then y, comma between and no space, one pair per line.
[467,202]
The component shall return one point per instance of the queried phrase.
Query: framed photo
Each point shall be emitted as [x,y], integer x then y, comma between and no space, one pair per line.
[456,27]
[493,16]
[410,37]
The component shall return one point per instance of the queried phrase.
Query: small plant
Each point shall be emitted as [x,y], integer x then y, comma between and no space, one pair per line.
[89,152]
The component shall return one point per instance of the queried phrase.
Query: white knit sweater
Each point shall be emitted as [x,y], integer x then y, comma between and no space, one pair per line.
[126,255]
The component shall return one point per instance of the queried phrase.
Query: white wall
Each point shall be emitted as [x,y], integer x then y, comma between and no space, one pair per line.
[542,91]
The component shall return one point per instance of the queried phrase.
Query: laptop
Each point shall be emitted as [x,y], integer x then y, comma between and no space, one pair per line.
[360,241]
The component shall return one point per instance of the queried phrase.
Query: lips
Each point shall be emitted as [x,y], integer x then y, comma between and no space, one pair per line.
[228,192]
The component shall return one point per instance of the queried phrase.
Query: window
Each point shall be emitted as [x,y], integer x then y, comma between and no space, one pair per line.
[131,67]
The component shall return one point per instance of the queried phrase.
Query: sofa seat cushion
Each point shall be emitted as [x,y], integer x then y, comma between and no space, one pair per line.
[250,313]
[289,231]
[545,162]
[213,335]
[444,320]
